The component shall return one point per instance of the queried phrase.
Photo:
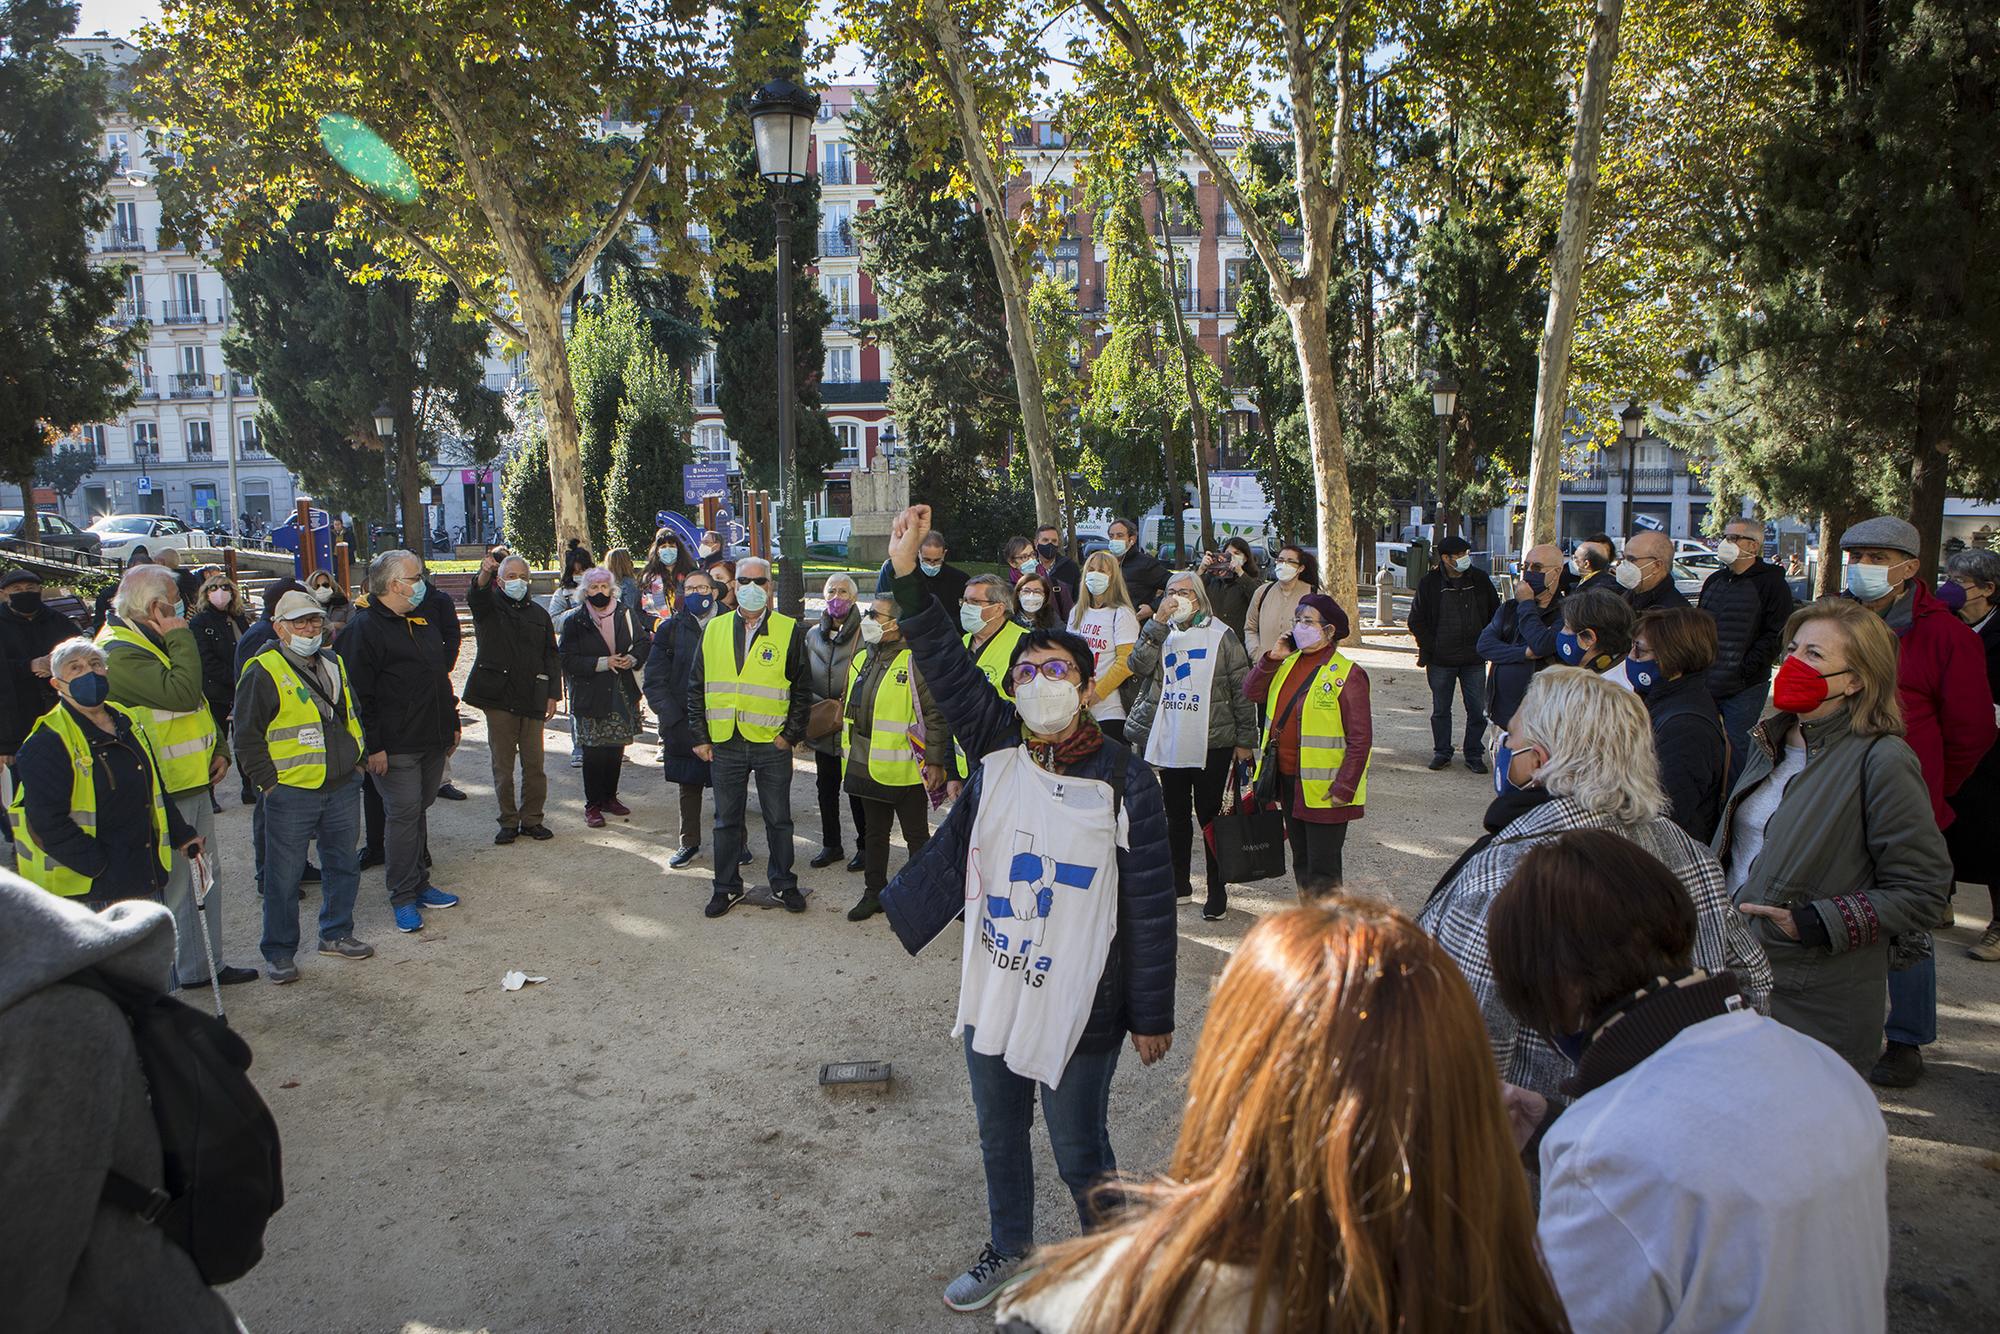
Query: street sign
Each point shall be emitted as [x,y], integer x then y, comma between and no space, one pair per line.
[703,479]
[145,485]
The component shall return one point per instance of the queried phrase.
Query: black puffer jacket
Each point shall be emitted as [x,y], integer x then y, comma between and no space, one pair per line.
[669,668]
[1447,615]
[514,668]
[590,690]
[1694,754]
[1750,611]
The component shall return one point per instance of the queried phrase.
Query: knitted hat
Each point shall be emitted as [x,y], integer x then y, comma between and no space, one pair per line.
[1329,611]
[1884,530]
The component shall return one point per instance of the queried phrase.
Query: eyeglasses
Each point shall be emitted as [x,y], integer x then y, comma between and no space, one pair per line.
[1055,669]
[750,579]
[975,602]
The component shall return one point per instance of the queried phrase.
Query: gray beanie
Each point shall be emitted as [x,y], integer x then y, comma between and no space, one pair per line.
[1884,530]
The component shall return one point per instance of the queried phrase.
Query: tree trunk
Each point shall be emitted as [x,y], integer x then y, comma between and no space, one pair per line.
[1566,277]
[406,467]
[1832,523]
[1196,417]
[30,530]
[548,358]
[1320,384]
[1929,466]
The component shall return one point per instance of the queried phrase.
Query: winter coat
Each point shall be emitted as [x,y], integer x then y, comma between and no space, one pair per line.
[1229,595]
[1136,992]
[22,640]
[1232,717]
[798,697]
[74,1107]
[400,674]
[1694,753]
[1357,726]
[1514,630]
[669,667]
[1272,608]
[123,857]
[592,682]
[1146,576]
[216,634]
[257,707]
[1750,611]
[515,666]
[860,721]
[1663,596]
[141,680]
[1947,702]
[1850,844]
[1975,853]
[440,609]
[1447,614]
[827,664]
[260,636]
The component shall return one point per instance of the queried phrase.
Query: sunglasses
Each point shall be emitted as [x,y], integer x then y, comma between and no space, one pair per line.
[1055,669]
[750,579]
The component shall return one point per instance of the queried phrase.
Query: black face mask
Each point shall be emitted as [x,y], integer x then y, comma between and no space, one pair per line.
[1048,550]
[600,599]
[27,604]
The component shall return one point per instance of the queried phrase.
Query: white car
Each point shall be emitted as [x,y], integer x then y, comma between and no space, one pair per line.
[127,535]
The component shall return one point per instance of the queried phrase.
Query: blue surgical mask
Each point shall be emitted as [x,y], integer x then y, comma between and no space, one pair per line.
[90,689]
[971,617]
[930,567]
[1119,546]
[1643,675]
[180,608]
[1870,583]
[514,588]
[752,597]
[306,645]
[1568,648]
[1536,580]
[418,590]
[668,555]
[699,603]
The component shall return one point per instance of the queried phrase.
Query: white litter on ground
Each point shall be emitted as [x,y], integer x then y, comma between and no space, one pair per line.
[514,979]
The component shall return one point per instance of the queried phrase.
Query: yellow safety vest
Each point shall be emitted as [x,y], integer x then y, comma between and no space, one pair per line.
[183,741]
[992,660]
[35,865]
[891,756]
[1322,738]
[753,701]
[296,735]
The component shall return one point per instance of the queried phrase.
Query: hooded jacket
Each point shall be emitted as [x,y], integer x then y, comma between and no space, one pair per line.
[73,1107]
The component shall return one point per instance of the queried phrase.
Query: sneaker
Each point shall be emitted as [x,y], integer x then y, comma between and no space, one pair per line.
[746,858]
[1216,908]
[409,919]
[505,834]
[683,857]
[991,1274]
[1988,948]
[792,899]
[871,903]
[309,876]
[721,902]
[616,807]
[282,971]
[235,977]
[450,792]
[825,857]
[576,761]
[1474,763]
[1901,1066]
[346,947]
[541,833]
[593,817]
[1438,762]
[371,857]
[857,863]
[433,897]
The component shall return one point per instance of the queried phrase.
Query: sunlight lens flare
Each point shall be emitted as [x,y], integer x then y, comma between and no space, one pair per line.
[367,157]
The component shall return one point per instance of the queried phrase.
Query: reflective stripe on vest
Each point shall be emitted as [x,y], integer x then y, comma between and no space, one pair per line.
[296,736]
[753,701]
[1322,737]
[992,660]
[35,865]
[889,756]
[183,741]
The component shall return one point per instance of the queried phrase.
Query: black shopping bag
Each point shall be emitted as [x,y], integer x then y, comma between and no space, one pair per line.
[1247,842]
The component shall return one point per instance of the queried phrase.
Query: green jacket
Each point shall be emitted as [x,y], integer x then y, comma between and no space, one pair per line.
[1232,717]
[1854,841]
[139,680]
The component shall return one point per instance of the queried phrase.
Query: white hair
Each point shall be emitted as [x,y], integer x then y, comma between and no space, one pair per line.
[597,574]
[142,586]
[521,561]
[382,571]
[1600,743]
[1195,587]
[763,566]
[846,581]
[62,653]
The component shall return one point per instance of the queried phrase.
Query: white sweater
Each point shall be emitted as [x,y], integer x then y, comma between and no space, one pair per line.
[1735,1180]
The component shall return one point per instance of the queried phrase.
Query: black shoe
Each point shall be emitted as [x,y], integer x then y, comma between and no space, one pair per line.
[249,795]
[309,876]
[371,857]
[871,903]
[747,857]
[683,857]
[214,805]
[1901,1066]
[1439,762]
[825,857]
[1216,908]
[448,792]
[1474,763]
[792,899]
[857,863]
[721,902]
[506,834]
[236,977]
[1184,893]
[541,833]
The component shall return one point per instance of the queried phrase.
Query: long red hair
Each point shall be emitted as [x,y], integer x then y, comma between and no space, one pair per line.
[1344,1143]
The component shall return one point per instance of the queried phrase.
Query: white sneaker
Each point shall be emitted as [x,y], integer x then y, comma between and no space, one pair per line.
[1988,948]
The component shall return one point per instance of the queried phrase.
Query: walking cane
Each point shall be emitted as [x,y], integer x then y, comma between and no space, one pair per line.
[203,882]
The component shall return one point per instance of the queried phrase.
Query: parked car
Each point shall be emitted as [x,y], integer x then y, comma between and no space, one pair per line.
[124,536]
[56,531]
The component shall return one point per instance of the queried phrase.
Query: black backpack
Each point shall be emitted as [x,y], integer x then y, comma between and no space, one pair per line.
[219,1144]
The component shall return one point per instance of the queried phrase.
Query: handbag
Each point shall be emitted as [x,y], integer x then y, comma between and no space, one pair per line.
[1267,769]
[824,718]
[1247,842]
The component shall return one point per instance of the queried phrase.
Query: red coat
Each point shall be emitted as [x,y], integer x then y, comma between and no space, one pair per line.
[1947,703]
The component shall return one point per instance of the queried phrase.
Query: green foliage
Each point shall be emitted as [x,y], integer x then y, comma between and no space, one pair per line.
[63,470]
[525,498]
[607,342]
[65,366]
[646,457]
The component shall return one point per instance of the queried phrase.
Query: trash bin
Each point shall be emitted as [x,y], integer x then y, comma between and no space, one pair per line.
[286,538]
[1417,563]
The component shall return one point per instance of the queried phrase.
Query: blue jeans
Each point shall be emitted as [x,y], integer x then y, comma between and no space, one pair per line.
[1470,682]
[1078,1117]
[1740,712]
[294,817]
[735,761]
[1913,1004]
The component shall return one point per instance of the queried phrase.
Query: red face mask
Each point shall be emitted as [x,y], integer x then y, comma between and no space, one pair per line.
[1800,689]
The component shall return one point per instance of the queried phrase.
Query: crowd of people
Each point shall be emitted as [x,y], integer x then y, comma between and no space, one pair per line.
[1556,1092]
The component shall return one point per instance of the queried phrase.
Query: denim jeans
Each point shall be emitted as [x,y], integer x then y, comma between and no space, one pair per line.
[293,818]
[1470,682]
[1913,1004]
[1078,1117]
[735,761]
[1740,712]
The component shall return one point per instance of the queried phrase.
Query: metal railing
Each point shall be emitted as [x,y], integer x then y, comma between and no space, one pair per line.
[186,312]
[837,243]
[203,450]
[121,239]
[192,386]
[836,173]
[854,312]
[128,312]
[243,386]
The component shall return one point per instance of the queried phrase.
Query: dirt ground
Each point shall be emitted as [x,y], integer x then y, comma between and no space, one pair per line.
[640,1143]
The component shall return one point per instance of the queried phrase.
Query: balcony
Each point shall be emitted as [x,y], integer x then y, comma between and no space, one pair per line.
[1589,484]
[835,244]
[186,312]
[848,315]
[200,451]
[148,387]
[121,240]
[704,395]
[128,312]
[243,386]
[836,173]
[192,386]
[1654,480]
[854,392]
[253,447]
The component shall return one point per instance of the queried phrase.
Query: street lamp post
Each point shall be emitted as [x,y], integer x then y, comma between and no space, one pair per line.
[385,431]
[1444,405]
[781,120]
[1632,426]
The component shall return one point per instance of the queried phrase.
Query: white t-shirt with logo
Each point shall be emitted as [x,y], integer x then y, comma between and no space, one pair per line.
[1041,912]
[1104,629]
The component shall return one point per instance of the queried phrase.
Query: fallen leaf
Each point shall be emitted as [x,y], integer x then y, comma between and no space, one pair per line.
[289,1084]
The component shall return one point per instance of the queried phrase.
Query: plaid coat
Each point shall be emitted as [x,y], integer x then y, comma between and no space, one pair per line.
[1456,918]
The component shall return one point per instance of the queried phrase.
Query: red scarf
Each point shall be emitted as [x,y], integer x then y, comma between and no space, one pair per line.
[1059,757]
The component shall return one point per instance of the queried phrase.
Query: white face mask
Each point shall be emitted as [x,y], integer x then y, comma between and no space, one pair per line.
[1046,706]
[871,630]
[514,588]
[1097,581]
[971,617]
[1286,571]
[305,645]
[323,595]
[1728,551]
[751,597]
[1626,573]
[1032,602]
[1576,566]
[1180,608]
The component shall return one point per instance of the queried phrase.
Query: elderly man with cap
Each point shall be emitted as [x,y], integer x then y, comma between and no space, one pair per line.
[28,631]
[1947,719]
[155,672]
[1452,605]
[1649,555]
[298,741]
